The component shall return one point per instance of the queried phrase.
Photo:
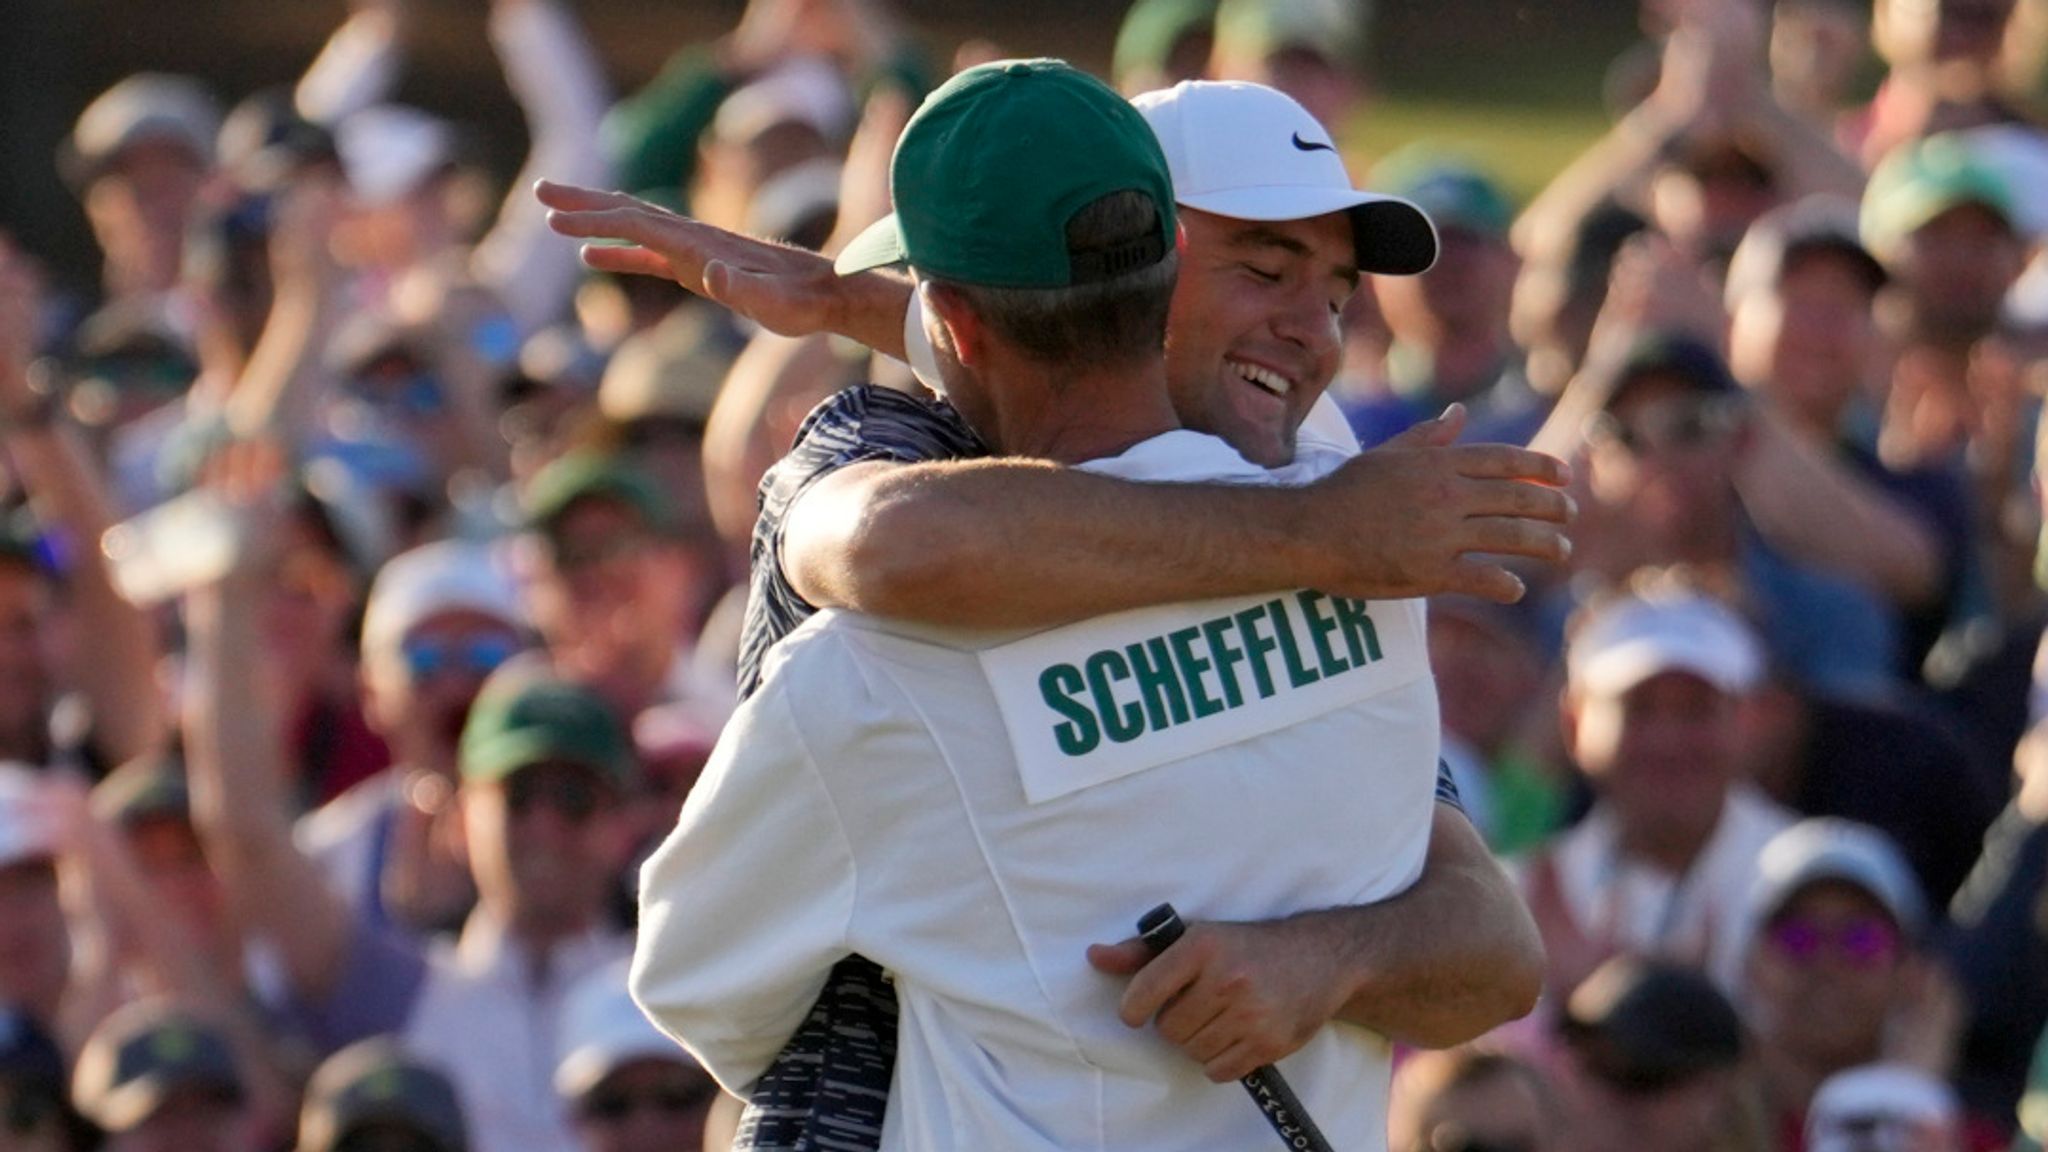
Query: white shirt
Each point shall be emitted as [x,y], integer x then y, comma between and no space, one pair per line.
[488,1018]
[1698,917]
[915,796]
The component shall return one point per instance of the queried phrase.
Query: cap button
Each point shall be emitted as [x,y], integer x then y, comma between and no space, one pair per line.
[1020,68]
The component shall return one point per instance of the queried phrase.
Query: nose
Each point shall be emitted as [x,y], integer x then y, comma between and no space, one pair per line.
[1307,321]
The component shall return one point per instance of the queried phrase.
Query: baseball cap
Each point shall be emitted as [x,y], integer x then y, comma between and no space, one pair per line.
[674,370]
[1454,192]
[805,90]
[374,1082]
[1854,1108]
[1153,28]
[1921,180]
[1831,848]
[1647,1024]
[993,166]
[1634,637]
[1251,152]
[535,719]
[141,1056]
[149,788]
[25,831]
[264,140]
[1669,354]
[389,150]
[585,474]
[144,107]
[603,1030]
[1818,223]
[1254,29]
[444,576]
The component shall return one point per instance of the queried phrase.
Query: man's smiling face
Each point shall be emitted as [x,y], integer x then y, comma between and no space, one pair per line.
[1253,337]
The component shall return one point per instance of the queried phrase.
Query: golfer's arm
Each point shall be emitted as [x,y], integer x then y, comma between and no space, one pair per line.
[1013,543]
[1451,958]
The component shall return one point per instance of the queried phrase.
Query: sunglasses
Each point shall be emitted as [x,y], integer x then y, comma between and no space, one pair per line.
[573,793]
[673,1101]
[1676,426]
[474,656]
[1865,942]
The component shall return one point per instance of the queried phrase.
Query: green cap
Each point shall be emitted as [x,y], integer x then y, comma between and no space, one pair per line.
[374,1083]
[583,474]
[1918,182]
[142,1056]
[1153,28]
[997,161]
[1452,192]
[534,720]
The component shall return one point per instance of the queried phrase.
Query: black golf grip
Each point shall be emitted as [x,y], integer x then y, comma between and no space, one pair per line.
[1159,928]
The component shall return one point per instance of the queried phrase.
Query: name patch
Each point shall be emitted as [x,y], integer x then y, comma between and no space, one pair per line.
[1103,699]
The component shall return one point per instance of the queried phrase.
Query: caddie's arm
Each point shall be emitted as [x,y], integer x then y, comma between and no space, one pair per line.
[1446,961]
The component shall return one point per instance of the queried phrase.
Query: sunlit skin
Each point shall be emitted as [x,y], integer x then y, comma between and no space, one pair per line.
[1808,345]
[542,871]
[139,210]
[1500,1110]
[1827,1010]
[1662,756]
[1257,299]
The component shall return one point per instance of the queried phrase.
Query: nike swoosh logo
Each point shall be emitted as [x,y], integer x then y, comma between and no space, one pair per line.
[1310,146]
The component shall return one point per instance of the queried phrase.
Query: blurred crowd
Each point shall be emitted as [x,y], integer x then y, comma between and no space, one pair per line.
[371,576]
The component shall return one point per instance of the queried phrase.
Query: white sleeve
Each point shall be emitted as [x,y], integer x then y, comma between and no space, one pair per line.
[358,67]
[746,906]
[554,74]
[1326,429]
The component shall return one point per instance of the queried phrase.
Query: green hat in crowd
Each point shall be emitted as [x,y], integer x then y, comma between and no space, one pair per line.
[1919,181]
[375,1084]
[1152,29]
[994,165]
[145,1054]
[584,474]
[534,720]
[1453,192]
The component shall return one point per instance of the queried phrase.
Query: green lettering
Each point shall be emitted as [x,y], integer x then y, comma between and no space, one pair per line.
[1225,655]
[1257,646]
[1079,735]
[1191,669]
[1298,674]
[1359,633]
[1157,684]
[1319,629]
[1123,722]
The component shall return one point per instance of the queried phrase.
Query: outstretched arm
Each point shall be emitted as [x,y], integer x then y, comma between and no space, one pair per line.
[1451,958]
[939,541]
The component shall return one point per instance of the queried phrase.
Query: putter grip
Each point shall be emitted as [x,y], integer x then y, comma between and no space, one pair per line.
[1159,929]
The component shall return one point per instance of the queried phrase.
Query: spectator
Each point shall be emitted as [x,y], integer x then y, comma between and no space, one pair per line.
[617,591]
[1944,72]
[1450,324]
[1884,1106]
[440,619]
[1473,1100]
[1663,863]
[627,1087]
[137,160]
[372,1097]
[1817,47]
[1313,50]
[160,1080]
[1835,977]
[658,392]
[543,766]
[1489,672]
[1654,1059]
[1163,42]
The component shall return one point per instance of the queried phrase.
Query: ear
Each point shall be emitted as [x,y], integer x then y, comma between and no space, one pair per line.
[963,329]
